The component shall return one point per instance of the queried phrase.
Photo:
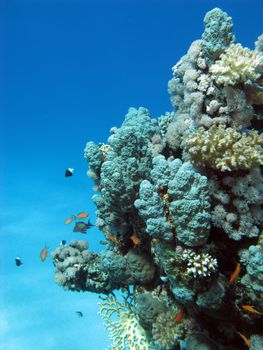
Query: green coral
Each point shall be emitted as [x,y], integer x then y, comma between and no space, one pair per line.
[225,149]
[126,333]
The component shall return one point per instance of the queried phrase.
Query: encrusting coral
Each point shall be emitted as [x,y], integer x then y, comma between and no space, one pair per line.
[180,202]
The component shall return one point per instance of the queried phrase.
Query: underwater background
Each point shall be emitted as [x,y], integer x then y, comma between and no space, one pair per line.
[70,70]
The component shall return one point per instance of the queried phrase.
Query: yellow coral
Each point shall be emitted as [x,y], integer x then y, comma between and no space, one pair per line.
[237,64]
[225,148]
[126,332]
[104,149]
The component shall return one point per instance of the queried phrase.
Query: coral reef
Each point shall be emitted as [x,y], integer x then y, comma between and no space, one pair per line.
[180,202]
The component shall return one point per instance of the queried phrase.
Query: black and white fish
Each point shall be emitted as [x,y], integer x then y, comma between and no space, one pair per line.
[18,261]
[69,172]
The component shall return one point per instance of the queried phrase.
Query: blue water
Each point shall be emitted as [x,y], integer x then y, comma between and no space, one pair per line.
[69,71]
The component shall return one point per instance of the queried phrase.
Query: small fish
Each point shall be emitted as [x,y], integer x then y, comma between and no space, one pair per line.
[135,240]
[18,261]
[113,239]
[103,242]
[63,242]
[164,279]
[69,172]
[70,219]
[251,309]
[235,274]
[179,316]
[82,215]
[82,227]
[79,313]
[156,241]
[246,340]
[43,253]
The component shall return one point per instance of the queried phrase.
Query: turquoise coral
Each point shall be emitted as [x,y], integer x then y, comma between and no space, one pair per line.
[180,202]
[217,35]
[186,202]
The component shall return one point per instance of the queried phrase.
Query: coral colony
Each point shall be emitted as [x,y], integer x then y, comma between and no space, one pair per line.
[180,202]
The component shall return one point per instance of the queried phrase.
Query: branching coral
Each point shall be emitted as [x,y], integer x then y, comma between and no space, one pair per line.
[166,331]
[126,332]
[237,65]
[253,279]
[199,265]
[225,149]
[77,268]
[237,204]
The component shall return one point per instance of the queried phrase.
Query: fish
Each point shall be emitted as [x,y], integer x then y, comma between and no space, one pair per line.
[63,242]
[135,240]
[18,261]
[246,340]
[69,172]
[251,309]
[79,313]
[43,253]
[82,226]
[235,274]
[179,315]
[103,242]
[82,215]
[70,219]
[164,279]
[113,239]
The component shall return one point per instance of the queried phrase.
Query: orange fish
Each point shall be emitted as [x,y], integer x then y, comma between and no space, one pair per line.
[135,240]
[251,309]
[246,340]
[235,274]
[179,316]
[113,239]
[82,215]
[43,253]
[70,219]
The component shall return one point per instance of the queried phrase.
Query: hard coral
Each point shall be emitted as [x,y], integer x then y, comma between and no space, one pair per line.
[189,188]
[199,265]
[217,35]
[183,211]
[126,332]
[166,331]
[237,65]
[225,149]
